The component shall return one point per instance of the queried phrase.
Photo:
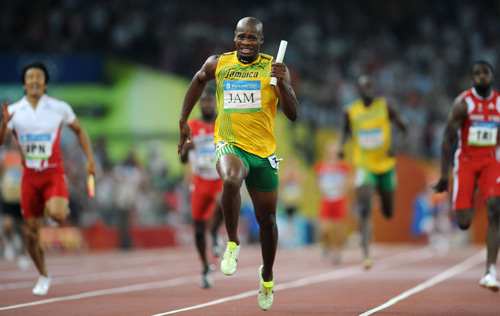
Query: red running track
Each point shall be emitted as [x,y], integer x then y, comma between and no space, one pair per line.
[405,280]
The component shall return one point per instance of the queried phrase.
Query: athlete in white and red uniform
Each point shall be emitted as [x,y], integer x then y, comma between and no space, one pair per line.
[36,122]
[333,177]
[476,149]
[474,120]
[206,184]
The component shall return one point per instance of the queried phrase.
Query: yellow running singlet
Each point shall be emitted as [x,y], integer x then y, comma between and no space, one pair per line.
[246,103]
[371,131]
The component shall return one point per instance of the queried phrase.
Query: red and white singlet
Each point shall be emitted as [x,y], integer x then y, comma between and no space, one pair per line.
[206,183]
[202,158]
[475,161]
[479,133]
[332,181]
[38,131]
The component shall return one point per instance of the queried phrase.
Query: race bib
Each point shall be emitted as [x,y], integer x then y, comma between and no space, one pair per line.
[371,139]
[274,161]
[219,145]
[205,157]
[483,133]
[242,96]
[332,185]
[36,146]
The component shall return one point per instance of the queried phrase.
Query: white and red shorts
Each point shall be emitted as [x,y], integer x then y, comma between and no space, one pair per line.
[37,187]
[485,170]
[203,196]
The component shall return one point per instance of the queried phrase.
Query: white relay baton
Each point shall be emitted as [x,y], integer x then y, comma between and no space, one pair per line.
[279,59]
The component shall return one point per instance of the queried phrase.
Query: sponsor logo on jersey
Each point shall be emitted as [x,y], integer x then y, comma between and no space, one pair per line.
[242,74]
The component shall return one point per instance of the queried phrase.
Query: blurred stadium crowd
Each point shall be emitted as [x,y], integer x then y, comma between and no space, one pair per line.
[418,51]
[128,190]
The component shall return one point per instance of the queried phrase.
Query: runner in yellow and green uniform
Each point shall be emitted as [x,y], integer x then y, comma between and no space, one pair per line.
[368,121]
[244,139]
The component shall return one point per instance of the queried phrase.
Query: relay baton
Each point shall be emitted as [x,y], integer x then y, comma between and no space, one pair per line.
[91,185]
[279,59]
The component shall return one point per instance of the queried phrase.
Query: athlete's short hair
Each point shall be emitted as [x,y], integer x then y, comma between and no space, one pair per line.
[38,65]
[481,62]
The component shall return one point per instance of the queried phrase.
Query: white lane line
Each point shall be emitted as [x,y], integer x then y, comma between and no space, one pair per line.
[451,272]
[83,277]
[384,263]
[420,254]
[91,277]
[122,289]
[95,264]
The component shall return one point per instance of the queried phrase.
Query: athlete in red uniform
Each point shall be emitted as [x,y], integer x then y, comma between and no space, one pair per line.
[333,181]
[36,121]
[206,184]
[474,120]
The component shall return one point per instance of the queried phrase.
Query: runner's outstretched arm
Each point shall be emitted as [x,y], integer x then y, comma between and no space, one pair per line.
[84,141]
[193,94]
[345,134]
[284,90]
[455,119]
[6,117]
[396,118]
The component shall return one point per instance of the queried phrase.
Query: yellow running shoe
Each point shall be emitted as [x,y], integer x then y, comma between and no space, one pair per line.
[266,292]
[230,258]
[367,263]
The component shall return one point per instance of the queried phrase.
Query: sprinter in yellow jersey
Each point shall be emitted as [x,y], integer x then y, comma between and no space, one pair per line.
[368,121]
[244,139]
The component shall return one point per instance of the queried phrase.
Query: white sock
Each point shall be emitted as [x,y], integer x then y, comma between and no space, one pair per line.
[492,270]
